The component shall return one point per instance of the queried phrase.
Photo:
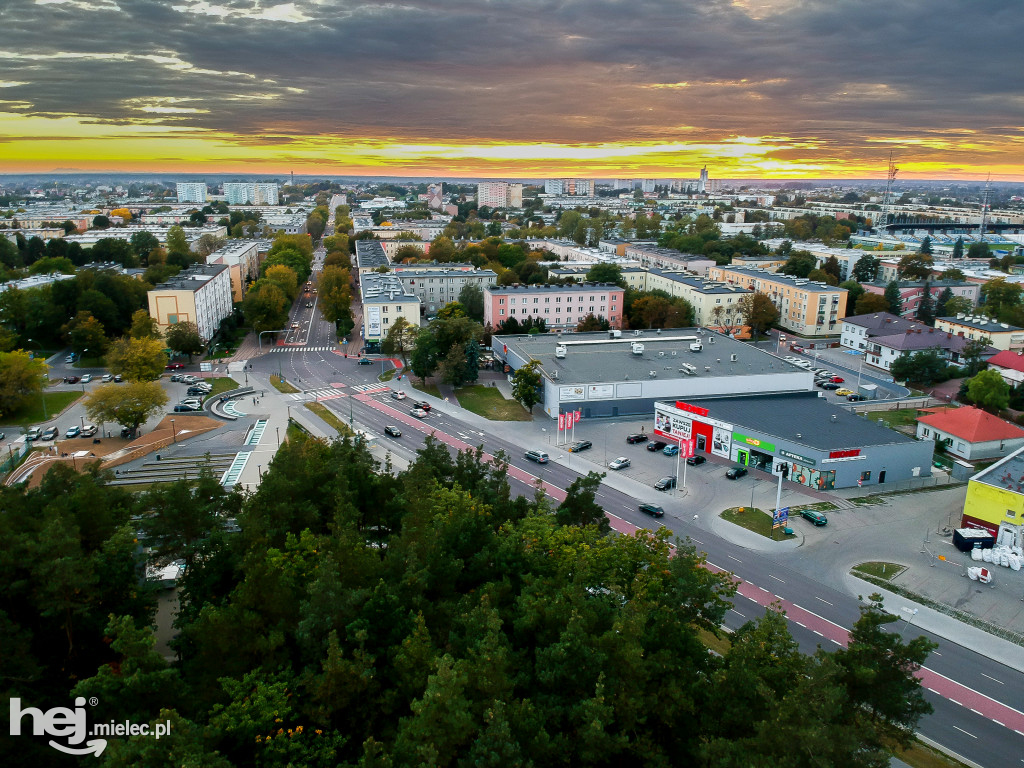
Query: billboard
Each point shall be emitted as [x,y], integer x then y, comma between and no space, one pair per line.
[373,322]
[671,425]
[721,442]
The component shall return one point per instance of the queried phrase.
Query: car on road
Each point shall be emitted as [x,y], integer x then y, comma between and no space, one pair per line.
[71,379]
[419,413]
[855,398]
[74,431]
[175,366]
[580,445]
[735,473]
[814,516]
[392,431]
[828,385]
[398,395]
[845,392]
[51,433]
[422,404]
[665,483]
[187,407]
[620,463]
[797,348]
[87,378]
[656,445]
[89,430]
[539,456]
[309,305]
[639,437]
[652,509]
[695,461]
[365,361]
[118,378]
[670,450]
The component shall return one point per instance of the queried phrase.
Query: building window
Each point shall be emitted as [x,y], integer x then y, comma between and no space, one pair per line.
[500,301]
[501,311]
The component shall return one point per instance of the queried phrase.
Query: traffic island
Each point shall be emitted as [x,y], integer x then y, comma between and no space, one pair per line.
[758,521]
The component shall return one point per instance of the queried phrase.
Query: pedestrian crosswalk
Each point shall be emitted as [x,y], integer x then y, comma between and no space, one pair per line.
[369,389]
[302,349]
[326,393]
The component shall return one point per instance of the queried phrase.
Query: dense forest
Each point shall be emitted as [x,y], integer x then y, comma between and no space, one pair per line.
[356,616]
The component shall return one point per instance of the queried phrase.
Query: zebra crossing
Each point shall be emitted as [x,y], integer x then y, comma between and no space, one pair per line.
[370,389]
[326,393]
[302,349]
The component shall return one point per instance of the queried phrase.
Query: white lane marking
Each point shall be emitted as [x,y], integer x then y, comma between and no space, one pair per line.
[963,731]
[936,653]
[737,613]
[826,602]
[799,624]
[817,633]
[735,558]
[776,578]
[993,679]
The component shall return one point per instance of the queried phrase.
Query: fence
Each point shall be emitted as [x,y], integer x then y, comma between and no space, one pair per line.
[15,454]
[896,405]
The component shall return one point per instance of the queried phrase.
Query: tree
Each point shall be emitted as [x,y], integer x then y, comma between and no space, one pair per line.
[894,298]
[940,303]
[142,244]
[580,505]
[854,291]
[137,359]
[592,323]
[100,222]
[799,264]
[208,244]
[926,307]
[526,384]
[958,248]
[423,362]
[915,266]
[988,390]
[128,404]
[335,295]
[401,338]
[956,305]
[451,310]
[870,304]
[925,367]
[184,339]
[177,243]
[471,298]
[48,266]
[85,332]
[285,279]
[21,379]
[758,311]
[265,307]
[144,326]
[926,246]
[606,273]
[1000,296]
[407,252]
[978,251]
[821,276]
[866,269]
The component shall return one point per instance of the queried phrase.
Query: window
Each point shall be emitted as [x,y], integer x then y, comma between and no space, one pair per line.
[536,300]
[501,311]
[500,301]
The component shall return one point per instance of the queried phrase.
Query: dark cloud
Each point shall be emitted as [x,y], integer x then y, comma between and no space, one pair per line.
[837,71]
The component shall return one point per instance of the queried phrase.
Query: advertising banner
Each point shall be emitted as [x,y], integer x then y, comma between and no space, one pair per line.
[671,425]
[600,391]
[780,517]
[571,393]
[721,442]
[373,322]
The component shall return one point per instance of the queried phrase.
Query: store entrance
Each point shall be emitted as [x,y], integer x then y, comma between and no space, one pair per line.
[762,461]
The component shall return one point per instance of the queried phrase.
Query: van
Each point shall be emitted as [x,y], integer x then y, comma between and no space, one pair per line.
[539,456]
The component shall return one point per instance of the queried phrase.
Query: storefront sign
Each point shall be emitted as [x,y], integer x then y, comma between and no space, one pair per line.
[796,457]
[691,408]
[843,458]
[672,425]
[721,442]
[600,391]
[762,445]
[848,454]
[571,393]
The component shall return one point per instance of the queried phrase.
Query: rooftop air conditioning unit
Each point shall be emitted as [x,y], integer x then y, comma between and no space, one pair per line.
[661,354]
[638,333]
[554,375]
[560,351]
[637,348]
[652,374]
[732,358]
[673,353]
[696,346]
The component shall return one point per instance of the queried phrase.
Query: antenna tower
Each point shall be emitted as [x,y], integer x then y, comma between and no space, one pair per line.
[984,212]
[893,170]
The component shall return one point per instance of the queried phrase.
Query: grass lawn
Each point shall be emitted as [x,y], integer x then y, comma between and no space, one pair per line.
[32,413]
[755,520]
[226,346]
[902,417]
[880,570]
[388,375]
[282,386]
[491,404]
[222,384]
[429,389]
[91,362]
[331,418]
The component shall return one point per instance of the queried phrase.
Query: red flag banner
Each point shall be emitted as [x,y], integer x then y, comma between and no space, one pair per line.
[577,416]
[561,422]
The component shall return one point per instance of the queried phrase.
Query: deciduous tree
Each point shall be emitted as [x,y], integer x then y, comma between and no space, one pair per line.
[128,404]
[144,326]
[526,384]
[137,359]
[21,379]
[988,390]
[758,311]
[184,339]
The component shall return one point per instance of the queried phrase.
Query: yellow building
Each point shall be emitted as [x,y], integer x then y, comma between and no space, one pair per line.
[200,294]
[995,499]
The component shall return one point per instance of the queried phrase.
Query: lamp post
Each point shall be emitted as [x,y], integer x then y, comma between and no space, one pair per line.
[42,396]
[912,613]
[174,433]
[278,430]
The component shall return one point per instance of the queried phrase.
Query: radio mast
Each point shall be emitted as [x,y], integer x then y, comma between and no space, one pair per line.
[984,212]
[893,170]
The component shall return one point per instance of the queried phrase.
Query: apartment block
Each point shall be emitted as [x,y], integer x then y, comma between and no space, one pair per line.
[247,193]
[191,192]
[562,307]
[499,194]
[200,294]
[384,301]
[912,291]
[1002,336]
[806,307]
[241,257]
[437,287]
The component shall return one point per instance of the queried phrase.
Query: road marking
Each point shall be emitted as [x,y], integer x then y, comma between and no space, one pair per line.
[735,558]
[936,653]
[737,612]
[776,578]
[967,732]
[799,624]
[817,633]
[826,602]
[954,700]
[992,678]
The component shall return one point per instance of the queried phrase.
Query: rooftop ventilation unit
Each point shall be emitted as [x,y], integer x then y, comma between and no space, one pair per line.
[661,354]
[732,358]
[689,370]
[673,353]
[638,333]
[707,369]
[554,375]
[652,374]
[560,351]
[696,346]
[637,348]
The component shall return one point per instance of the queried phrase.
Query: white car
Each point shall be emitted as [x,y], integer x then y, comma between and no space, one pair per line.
[87,378]
[107,378]
[620,463]
[419,413]
[89,430]
[398,395]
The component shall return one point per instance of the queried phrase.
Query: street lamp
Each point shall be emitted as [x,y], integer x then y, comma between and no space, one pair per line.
[912,613]
[174,433]
[278,430]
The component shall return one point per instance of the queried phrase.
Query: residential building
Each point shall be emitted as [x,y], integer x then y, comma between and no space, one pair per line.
[370,256]
[998,335]
[714,303]
[499,194]
[667,258]
[806,307]
[436,287]
[249,193]
[200,294]
[562,307]
[912,291]
[970,433]
[192,234]
[883,337]
[384,301]
[1010,366]
[568,187]
[290,224]
[995,500]
[191,192]
[391,247]
[242,260]
[648,185]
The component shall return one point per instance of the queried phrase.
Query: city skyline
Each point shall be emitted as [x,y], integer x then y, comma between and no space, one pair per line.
[790,89]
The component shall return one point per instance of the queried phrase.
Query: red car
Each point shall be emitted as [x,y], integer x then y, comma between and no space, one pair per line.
[837,380]
[175,366]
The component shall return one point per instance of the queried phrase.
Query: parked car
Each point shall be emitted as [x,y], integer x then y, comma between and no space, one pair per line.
[71,358]
[580,445]
[392,431]
[828,385]
[422,404]
[34,433]
[620,463]
[735,473]
[71,379]
[398,395]
[814,516]
[639,437]
[87,378]
[855,398]
[656,445]
[89,430]
[176,377]
[652,509]
[188,378]
[665,483]
[118,378]
[539,456]
[197,392]
[845,392]
[51,433]
[837,380]
[419,413]
[175,366]
[194,401]
[670,450]
[695,461]
[74,431]
[187,407]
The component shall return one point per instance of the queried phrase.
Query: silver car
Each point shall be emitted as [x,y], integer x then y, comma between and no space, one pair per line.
[620,463]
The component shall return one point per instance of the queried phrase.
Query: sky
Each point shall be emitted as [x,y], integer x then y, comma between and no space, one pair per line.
[758,89]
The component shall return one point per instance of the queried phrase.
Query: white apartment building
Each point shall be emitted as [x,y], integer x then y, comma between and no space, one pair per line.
[242,260]
[499,194]
[568,187]
[384,301]
[191,192]
[247,193]
[437,287]
[647,185]
[200,294]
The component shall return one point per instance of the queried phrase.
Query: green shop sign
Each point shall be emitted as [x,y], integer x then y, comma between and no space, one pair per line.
[797,457]
[763,445]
